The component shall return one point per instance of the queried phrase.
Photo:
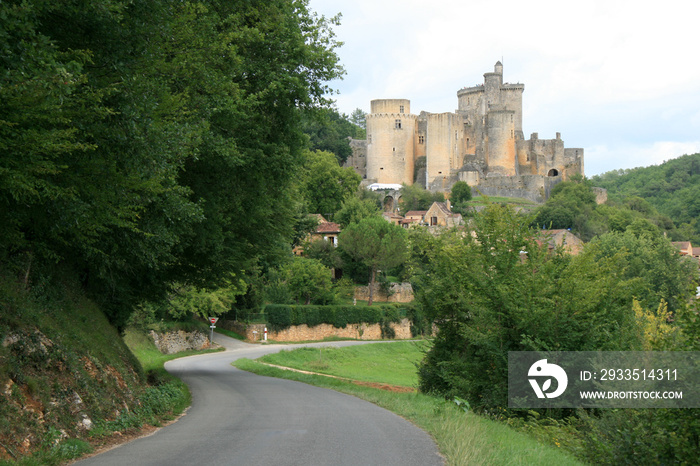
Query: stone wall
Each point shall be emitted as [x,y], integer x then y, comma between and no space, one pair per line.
[398,293]
[174,342]
[255,332]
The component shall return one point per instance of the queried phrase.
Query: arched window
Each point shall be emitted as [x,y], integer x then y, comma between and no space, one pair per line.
[553,172]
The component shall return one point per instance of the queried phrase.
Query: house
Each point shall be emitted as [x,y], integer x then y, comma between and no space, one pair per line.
[440,215]
[413,217]
[392,218]
[326,231]
[685,248]
[571,243]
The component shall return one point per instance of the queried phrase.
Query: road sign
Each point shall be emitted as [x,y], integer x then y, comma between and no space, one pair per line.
[213,320]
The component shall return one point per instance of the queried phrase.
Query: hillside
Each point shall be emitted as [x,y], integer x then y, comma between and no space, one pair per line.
[64,371]
[673,188]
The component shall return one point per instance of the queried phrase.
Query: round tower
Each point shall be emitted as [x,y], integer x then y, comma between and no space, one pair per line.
[390,137]
[500,151]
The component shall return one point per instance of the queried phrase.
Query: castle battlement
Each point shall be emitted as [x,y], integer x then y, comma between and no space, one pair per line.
[482,140]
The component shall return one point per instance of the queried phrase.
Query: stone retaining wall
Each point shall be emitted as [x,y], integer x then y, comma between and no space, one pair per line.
[303,332]
[398,293]
[174,342]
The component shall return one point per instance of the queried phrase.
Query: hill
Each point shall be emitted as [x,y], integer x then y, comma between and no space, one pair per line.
[66,373]
[673,188]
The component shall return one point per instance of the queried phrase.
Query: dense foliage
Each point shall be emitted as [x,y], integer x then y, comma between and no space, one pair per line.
[147,142]
[282,316]
[329,131]
[500,291]
[572,205]
[376,243]
[672,188]
[415,197]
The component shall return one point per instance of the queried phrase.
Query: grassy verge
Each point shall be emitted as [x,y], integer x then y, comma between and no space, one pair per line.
[462,437]
[393,363]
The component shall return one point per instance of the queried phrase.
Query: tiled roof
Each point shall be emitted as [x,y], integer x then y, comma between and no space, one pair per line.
[328,227]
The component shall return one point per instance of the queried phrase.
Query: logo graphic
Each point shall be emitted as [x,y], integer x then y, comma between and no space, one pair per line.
[542,369]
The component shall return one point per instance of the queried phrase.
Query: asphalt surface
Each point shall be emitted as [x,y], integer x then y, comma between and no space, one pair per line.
[239,418]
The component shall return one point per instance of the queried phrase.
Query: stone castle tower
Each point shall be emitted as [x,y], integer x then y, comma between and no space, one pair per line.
[481,143]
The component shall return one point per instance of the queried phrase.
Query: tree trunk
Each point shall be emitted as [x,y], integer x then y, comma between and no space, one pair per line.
[372,275]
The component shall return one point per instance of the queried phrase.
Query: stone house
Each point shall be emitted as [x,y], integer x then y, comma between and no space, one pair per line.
[440,215]
[413,217]
[326,231]
[685,248]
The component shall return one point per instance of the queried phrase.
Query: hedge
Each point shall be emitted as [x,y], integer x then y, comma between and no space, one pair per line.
[282,316]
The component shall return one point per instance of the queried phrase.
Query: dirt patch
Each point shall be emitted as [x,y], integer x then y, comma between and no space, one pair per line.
[380,386]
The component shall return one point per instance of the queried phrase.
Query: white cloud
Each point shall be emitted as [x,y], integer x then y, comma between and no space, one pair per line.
[618,74]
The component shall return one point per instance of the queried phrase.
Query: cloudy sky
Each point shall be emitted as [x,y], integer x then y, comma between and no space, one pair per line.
[619,78]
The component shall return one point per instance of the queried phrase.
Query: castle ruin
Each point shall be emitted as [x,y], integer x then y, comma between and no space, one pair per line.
[481,143]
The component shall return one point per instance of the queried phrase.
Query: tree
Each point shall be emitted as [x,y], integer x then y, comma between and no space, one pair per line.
[415,197]
[460,195]
[461,192]
[500,291]
[375,242]
[651,264]
[329,131]
[355,209]
[325,185]
[136,136]
[359,118]
[308,280]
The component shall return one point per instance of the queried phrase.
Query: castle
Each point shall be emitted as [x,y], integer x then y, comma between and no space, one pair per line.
[481,143]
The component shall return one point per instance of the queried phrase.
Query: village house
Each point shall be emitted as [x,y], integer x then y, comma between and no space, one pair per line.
[440,215]
[326,231]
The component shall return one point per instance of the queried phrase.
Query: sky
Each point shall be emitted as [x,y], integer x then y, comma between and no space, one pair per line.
[618,78]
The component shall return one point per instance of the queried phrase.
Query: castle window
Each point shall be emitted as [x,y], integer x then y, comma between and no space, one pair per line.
[397,124]
[421,139]
[369,138]
[394,149]
[400,108]
[528,157]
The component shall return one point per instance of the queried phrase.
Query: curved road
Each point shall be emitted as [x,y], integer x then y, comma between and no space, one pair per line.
[240,418]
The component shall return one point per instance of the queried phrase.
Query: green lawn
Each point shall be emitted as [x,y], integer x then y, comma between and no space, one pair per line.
[390,363]
[462,437]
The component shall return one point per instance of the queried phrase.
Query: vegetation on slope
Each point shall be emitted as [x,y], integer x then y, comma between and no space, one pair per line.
[672,188]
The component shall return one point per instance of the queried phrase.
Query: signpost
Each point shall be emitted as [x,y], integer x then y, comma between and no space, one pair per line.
[212,321]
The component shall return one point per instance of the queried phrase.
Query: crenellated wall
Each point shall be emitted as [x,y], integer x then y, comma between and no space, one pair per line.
[484,137]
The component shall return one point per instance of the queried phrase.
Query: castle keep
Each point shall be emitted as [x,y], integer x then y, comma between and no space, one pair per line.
[481,143]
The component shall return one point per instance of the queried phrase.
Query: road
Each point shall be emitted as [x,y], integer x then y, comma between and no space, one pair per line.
[241,418]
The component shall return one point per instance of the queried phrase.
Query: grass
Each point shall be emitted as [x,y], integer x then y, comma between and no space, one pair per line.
[482,200]
[462,437]
[149,356]
[394,363]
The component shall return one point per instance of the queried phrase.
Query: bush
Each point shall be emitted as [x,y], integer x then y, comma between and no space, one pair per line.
[282,316]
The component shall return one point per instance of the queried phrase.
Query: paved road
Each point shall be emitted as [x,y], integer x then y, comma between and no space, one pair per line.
[241,418]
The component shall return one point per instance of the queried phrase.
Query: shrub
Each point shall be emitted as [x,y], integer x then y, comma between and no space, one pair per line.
[281,316]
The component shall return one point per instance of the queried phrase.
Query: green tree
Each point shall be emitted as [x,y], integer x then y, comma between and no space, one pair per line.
[415,197]
[376,243]
[308,281]
[500,291]
[325,185]
[145,143]
[651,265]
[355,209]
[460,195]
[359,118]
[329,131]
